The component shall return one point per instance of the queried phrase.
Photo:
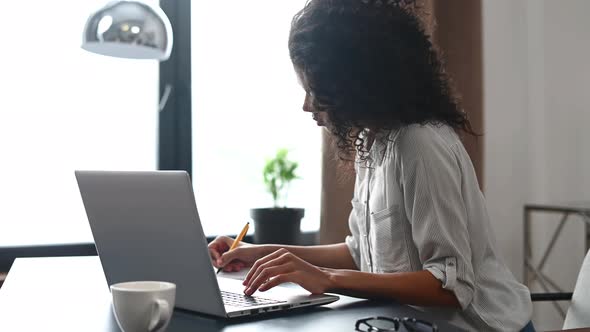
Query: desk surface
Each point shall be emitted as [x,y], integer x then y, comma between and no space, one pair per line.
[71,294]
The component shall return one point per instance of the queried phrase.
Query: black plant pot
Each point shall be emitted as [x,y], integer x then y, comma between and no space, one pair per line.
[277,225]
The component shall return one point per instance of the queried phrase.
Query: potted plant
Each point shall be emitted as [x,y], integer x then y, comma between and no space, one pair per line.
[278,224]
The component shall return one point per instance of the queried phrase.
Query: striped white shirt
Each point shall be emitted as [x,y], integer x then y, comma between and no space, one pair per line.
[419,207]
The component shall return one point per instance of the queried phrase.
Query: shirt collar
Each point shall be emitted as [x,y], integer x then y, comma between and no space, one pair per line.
[379,149]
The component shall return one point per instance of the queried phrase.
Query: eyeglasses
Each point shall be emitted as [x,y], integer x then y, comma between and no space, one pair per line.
[386,324]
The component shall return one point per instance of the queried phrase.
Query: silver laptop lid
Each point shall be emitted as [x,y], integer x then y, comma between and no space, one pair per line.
[146,227]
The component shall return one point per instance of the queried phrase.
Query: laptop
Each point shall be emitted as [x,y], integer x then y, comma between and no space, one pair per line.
[146,226]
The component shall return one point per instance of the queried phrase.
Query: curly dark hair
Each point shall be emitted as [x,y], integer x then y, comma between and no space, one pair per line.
[370,65]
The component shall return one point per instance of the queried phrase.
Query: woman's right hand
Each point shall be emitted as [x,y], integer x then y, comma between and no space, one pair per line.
[244,255]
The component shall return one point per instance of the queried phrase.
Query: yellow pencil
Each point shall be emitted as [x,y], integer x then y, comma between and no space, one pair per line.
[237,241]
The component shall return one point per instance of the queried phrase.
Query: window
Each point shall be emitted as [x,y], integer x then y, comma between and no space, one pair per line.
[246,105]
[64,109]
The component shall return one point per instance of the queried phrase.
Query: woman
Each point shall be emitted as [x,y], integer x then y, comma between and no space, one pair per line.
[420,230]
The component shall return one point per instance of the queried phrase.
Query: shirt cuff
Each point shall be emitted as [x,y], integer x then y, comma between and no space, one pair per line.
[445,270]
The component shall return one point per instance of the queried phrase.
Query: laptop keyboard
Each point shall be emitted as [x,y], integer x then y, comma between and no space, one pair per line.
[241,300]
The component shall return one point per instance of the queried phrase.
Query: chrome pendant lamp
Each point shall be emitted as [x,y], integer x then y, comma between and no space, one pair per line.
[129,29]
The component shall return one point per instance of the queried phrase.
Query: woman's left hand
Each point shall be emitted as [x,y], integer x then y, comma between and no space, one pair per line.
[282,266]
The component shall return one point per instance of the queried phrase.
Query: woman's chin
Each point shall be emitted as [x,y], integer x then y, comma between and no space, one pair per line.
[321,123]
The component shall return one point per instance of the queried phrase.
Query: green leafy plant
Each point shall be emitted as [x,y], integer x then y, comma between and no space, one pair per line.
[278,174]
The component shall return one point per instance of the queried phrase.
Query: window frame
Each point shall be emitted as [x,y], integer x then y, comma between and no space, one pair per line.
[175,126]
[174,129]
[175,119]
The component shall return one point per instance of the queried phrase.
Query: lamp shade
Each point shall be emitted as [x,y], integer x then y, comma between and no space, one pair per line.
[129,29]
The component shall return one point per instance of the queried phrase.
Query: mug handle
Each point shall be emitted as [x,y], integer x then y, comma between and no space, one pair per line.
[161,313]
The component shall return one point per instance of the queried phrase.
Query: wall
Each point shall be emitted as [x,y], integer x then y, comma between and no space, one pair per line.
[458,34]
[536,80]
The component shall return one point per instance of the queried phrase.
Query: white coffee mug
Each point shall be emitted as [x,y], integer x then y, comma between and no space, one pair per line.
[143,306]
